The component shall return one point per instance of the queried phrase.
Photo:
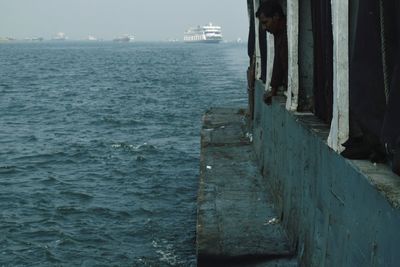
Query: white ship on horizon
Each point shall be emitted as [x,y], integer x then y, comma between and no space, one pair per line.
[125,38]
[60,37]
[203,34]
[91,38]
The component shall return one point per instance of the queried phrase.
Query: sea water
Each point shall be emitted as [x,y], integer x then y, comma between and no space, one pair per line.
[99,148]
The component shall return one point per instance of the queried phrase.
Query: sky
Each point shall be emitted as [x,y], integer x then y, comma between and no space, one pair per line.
[147,20]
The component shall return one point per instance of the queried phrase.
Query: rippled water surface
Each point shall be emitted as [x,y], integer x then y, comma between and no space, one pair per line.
[99,149]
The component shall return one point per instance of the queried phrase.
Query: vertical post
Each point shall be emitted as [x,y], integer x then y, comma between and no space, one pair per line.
[270,59]
[258,53]
[292,18]
[339,131]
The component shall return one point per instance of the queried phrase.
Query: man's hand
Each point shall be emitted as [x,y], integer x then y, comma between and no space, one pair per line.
[251,76]
[268,96]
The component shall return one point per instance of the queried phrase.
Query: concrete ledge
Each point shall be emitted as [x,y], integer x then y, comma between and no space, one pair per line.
[224,126]
[236,220]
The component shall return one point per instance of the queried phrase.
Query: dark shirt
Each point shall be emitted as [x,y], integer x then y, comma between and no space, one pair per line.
[280,69]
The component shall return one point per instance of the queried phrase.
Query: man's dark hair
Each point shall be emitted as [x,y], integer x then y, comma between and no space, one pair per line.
[269,9]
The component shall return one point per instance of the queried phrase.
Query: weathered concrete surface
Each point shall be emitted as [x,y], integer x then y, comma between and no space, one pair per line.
[236,222]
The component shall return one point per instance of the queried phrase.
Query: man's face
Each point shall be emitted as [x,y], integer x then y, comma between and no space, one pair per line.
[269,24]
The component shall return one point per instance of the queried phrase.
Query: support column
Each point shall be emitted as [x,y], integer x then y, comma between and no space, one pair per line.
[293,55]
[258,53]
[339,131]
[270,59]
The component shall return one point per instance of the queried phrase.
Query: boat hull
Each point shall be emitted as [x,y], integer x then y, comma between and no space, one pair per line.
[204,41]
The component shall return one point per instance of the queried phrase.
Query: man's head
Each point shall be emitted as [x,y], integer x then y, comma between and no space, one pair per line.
[270,14]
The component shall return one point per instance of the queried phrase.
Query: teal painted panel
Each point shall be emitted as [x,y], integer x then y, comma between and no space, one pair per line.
[338,212]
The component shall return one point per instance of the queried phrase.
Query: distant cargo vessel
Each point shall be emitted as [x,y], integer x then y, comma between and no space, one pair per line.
[203,34]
